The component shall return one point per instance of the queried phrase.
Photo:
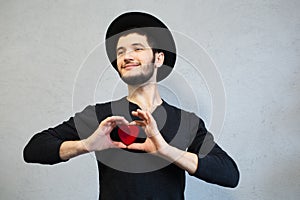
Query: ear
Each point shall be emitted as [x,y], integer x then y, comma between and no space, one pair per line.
[159,59]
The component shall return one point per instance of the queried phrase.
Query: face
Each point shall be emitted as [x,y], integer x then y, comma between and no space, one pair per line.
[135,60]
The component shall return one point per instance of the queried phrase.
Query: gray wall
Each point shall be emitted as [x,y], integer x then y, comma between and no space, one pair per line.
[46,51]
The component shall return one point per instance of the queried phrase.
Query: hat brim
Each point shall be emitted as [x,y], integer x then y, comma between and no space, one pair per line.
[150,24]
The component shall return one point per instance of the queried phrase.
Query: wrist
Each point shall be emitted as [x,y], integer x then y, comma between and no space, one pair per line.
[70,149]
[83,146]
[165,150]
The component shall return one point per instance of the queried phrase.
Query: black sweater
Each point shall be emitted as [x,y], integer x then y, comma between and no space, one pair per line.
[125,174]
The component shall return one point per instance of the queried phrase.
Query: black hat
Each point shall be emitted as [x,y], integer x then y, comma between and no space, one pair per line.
[150,24]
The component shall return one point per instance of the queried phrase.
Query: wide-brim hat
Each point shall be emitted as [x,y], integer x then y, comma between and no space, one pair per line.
[150,24]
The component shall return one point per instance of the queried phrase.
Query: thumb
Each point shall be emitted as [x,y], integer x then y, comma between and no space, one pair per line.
[136,146]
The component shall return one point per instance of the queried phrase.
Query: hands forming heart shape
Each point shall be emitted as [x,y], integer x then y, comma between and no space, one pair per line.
[128,133]
[137,131]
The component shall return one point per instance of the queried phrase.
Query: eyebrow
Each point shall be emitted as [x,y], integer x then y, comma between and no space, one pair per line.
[138,44]
[134,44]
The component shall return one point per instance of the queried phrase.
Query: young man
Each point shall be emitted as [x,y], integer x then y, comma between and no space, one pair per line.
[170,141]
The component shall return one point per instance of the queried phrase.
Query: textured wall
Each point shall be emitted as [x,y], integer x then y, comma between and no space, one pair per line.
[254,45]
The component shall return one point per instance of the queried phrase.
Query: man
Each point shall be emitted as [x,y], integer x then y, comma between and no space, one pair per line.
[169,140]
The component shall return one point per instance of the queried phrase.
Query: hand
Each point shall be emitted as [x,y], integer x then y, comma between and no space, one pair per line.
[100,139]
[154,142]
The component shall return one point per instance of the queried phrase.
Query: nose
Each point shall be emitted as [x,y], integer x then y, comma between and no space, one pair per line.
[129,55]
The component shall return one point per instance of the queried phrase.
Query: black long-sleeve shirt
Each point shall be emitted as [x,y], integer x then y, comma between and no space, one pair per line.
[127,174]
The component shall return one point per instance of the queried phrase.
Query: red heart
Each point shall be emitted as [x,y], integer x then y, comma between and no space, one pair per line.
[128,134]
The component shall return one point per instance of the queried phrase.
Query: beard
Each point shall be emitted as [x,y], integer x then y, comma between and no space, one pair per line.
[140,78]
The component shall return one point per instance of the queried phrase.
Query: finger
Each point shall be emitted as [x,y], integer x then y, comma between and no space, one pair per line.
[139,113]
[122,122]
[146,115]
[138,123]
[114,118]
[149,116]
[118,145]
[113,124]
[142,113]
[132,123]
[137,146]
[117,120]
[108,120]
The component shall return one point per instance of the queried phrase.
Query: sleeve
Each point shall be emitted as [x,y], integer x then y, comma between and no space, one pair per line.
[214,164]
[44,147]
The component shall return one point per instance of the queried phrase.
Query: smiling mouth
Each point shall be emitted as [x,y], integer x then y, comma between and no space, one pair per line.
[130,66]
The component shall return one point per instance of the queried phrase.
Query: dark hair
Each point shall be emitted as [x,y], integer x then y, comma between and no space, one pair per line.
[150,39]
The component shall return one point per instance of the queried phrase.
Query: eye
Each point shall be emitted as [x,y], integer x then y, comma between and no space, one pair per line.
[120,52]
[139,49]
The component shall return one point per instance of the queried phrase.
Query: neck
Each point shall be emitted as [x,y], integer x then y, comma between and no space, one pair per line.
[145,96]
